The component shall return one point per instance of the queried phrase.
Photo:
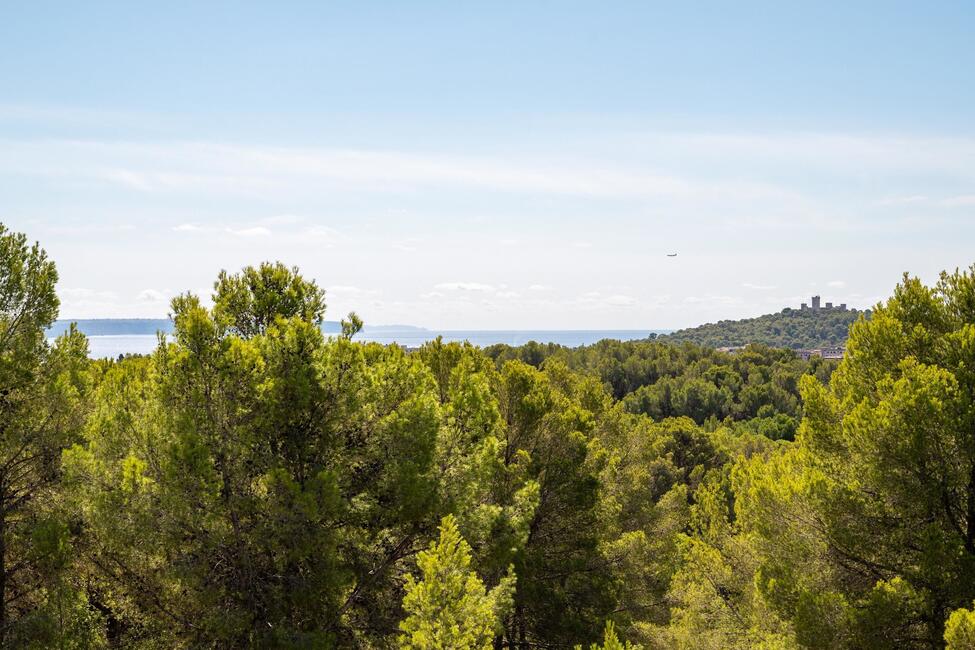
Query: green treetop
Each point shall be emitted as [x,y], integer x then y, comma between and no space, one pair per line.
[449,608]
[611,641]
[250,301]
[960,630]
[42,399]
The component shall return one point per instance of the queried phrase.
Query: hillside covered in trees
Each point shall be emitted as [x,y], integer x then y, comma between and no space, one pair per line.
[255,483]
[790,328]
[755,389]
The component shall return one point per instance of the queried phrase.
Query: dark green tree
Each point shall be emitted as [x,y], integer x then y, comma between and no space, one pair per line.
[253,484]
[42,404]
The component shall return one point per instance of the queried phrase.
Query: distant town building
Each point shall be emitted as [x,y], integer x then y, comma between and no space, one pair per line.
[732,349]
[831,352]
[816,305]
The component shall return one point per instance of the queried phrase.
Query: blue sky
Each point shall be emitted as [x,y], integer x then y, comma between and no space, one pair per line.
[492,165]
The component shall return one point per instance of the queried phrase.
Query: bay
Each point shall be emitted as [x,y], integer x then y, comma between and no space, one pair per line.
[113,345]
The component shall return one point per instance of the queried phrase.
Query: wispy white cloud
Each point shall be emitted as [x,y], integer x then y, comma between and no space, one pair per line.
[960,200]
[295,229]
[152,296]
[620,300]
[283,220]
[74,116]
[271,171]
[836,284]
[343,297]
[599,300]
[465,286]
[964,200]
[254,231]
[830,151]
[711,299]
[322,236]
[903,200]
[128,178]
[408,245]
[86,228]
[81,293]
[346,290]
[83,302]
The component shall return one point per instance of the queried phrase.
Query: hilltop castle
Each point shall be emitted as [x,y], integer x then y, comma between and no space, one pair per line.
[816,306]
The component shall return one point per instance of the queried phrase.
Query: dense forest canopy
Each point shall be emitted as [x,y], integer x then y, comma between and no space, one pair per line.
[256,483]
[790,328]
[755,388]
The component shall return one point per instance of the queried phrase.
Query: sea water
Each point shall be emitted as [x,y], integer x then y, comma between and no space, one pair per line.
[111,346]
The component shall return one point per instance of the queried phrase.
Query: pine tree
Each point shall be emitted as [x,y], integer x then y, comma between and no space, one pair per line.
[960,630]
[450,608]
[611,641]
[42,394]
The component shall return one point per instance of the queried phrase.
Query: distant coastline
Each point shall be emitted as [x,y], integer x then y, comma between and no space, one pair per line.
[111,337]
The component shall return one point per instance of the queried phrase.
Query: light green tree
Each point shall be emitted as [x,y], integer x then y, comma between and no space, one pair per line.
[862,534]
[960,630]
[611,641]
[351,325]
[449,608]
